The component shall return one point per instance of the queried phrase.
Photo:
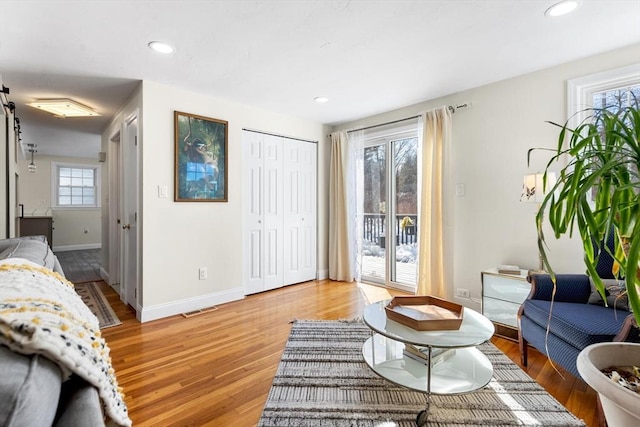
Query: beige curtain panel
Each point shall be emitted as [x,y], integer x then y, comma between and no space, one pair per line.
[340,257]
[434,260]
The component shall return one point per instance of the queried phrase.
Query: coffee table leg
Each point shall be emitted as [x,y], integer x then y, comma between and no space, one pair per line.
[421,419]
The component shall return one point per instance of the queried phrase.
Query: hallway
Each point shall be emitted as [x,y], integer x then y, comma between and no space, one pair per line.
[81,266]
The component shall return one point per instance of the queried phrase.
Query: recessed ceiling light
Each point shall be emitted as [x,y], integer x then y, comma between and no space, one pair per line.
[63,107]
[161,47]
[320,99]
[562,8]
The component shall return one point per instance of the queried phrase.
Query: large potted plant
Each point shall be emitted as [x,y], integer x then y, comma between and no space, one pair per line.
[597,193]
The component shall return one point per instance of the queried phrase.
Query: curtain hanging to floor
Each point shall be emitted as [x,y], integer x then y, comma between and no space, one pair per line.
[340,255]
[345,195]
[435,263]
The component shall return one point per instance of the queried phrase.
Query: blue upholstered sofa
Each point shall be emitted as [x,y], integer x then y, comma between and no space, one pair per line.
[579,317]
[575,323]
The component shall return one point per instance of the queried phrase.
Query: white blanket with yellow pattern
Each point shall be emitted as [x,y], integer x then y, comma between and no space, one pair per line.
[40,313]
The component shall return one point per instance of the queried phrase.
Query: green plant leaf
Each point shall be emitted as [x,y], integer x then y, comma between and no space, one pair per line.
[603,155]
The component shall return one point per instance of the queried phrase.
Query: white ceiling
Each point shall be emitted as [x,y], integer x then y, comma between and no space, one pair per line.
[367,57]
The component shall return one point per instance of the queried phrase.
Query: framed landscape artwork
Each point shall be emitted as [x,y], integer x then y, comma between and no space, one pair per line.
[201,158]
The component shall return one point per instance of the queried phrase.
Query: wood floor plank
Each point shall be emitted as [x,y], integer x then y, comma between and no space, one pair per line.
[216,368]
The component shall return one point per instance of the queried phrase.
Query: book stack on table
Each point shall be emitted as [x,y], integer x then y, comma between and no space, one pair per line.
[421,354]
[509,269]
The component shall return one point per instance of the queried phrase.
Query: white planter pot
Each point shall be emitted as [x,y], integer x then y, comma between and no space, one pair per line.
[621,406]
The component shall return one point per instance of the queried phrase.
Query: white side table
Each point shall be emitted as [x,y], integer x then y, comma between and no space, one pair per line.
[502,295]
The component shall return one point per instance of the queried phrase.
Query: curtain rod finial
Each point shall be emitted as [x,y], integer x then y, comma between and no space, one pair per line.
[454,109]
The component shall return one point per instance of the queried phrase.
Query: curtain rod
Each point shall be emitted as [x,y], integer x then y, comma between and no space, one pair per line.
[383,124]
[449,107]
[279,136]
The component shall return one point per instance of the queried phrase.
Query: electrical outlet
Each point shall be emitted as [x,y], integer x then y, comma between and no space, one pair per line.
[463,293]
[202,273]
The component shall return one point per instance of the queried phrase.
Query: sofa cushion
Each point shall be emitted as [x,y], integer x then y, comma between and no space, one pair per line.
[6,243]
[578,324]
[79,404]
[559,351]
[568,287]
[29,389]
[31,249]
[615,291]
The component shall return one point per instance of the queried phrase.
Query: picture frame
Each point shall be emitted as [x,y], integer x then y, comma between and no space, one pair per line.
[200,158]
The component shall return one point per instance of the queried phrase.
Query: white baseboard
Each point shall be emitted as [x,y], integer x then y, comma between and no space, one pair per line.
[105,275]
[159,311]
[77,247]
[322,274]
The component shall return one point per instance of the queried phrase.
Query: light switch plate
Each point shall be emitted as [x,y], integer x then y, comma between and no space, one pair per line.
[163,191]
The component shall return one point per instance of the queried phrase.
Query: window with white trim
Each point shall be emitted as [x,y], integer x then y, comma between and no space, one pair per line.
[75,185]
[611,88]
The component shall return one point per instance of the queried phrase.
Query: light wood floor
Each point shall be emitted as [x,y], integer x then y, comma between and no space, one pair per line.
[215,369]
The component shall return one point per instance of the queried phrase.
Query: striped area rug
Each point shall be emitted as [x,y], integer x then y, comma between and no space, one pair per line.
[322,380]
[93,297]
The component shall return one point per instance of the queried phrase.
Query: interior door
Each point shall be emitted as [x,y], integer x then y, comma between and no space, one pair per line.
[263,212]
[299,211]
[129,260]
[254,228]
[273,219]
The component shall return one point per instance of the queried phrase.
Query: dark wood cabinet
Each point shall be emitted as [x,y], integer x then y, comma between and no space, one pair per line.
[37,226]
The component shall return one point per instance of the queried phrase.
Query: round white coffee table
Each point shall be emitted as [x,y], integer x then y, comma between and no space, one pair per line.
[464,370]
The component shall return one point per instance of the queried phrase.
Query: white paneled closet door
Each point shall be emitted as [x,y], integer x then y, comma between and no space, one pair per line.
[280,211]
[263,251]
[273,203]
[299,211]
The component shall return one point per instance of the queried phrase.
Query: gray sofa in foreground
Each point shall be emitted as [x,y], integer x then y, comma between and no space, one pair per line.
[32,390]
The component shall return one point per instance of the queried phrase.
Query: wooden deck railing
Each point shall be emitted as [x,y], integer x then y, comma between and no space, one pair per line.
[375,229]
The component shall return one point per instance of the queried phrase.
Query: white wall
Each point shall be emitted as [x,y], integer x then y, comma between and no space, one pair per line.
[490,143]
[69,224]
[68,142]
[178,238]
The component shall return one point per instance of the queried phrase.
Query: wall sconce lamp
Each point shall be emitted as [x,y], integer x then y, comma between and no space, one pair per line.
[32,150]
[534,190]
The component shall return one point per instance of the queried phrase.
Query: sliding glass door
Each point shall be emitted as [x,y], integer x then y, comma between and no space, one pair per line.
[389,247]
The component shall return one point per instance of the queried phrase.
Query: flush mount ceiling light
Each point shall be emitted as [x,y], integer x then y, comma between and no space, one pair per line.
[562,8]
[63,107]
[320,99]
[161,47]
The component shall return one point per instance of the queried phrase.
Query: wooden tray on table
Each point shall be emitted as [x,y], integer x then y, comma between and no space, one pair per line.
[425,313]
